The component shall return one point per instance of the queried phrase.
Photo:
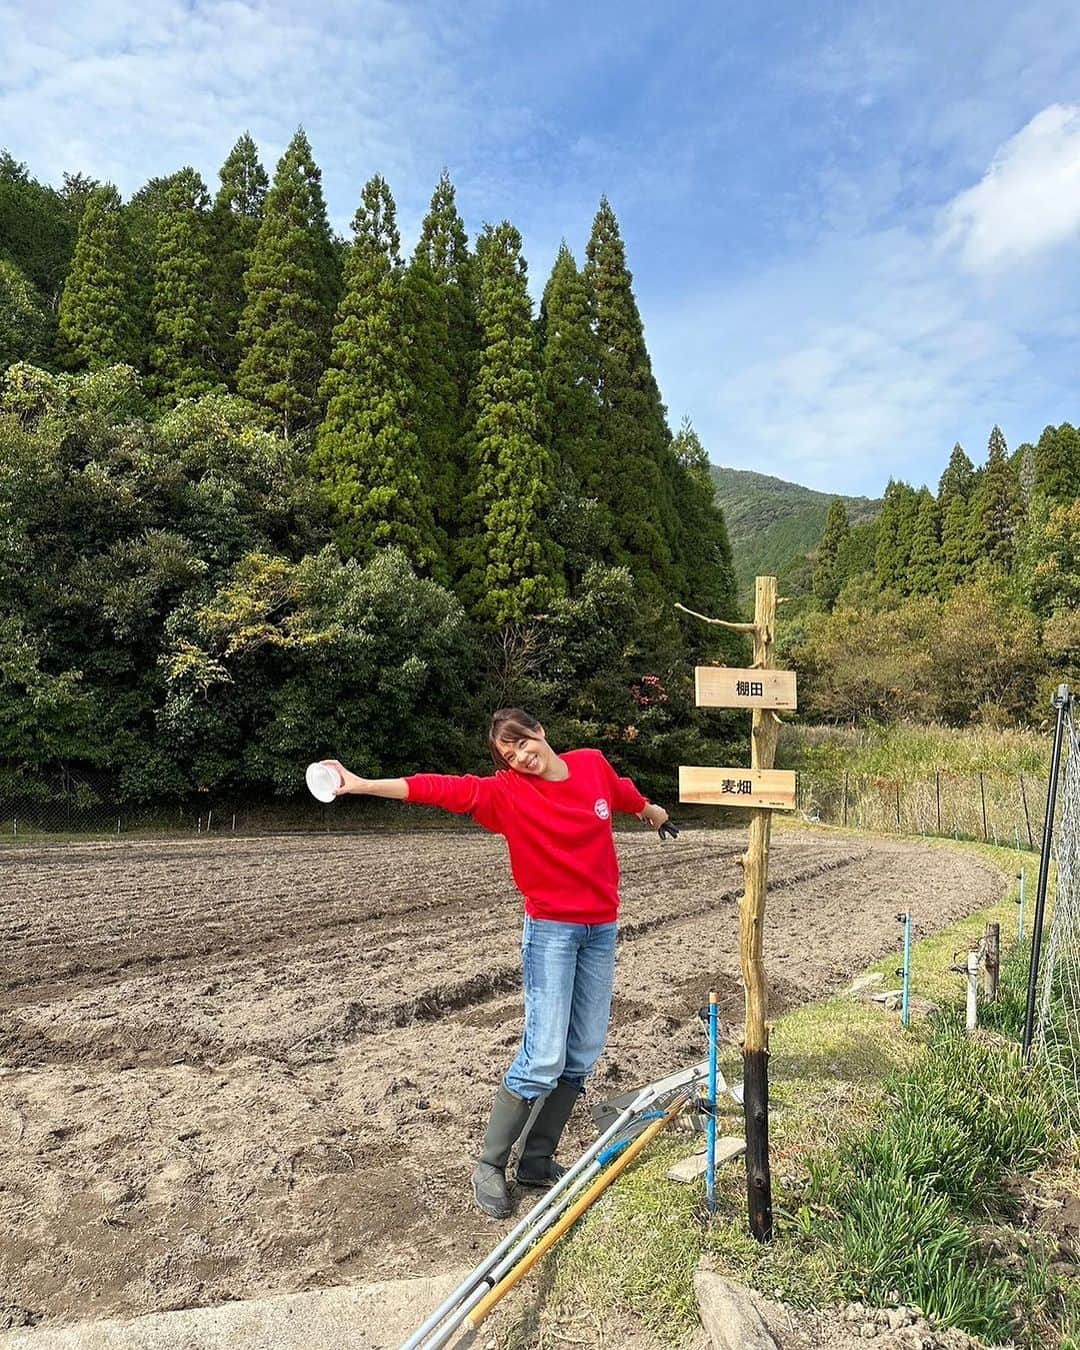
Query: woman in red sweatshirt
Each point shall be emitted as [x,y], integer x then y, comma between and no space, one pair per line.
[555,812]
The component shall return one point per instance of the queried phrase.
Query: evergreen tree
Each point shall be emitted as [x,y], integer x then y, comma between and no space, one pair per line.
[367,449]
[636,454]
[287,317]
[436,417]
[995,508]
[896,533]
[237,215]
[143,216]
[855,557]
[1023,462]
[99,321]
[24,325]
[329,251]
[709,569]
[1057,464]
[442,284]
[511,566]
[444,245]
[956,560]
[909,511]
[826,578]
[181,308]
[954,500]
[74,194]
[37,230]
[924,569]
[958,478]
[570,365]
[570,358]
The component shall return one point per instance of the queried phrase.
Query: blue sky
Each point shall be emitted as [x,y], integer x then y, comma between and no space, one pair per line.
[854,228]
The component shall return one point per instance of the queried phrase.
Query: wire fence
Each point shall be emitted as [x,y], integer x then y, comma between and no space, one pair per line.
[28,820]
[988,806]
[1057,1036]
[996,808]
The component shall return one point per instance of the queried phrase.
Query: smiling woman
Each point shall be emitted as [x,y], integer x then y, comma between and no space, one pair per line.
[555,812]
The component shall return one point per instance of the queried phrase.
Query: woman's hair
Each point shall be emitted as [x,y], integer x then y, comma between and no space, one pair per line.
[509,724]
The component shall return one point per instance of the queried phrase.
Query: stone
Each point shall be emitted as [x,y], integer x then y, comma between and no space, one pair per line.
[696,1165]
[860,987]
[729,1314]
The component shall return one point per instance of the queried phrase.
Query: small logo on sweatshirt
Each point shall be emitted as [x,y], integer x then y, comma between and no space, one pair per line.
[602,809]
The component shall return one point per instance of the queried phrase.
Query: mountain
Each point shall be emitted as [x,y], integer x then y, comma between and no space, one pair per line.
[773,525]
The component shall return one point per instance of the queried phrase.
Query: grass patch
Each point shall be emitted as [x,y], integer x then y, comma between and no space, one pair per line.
[978,783]
[900,751]
[897,1200]
[893,1154]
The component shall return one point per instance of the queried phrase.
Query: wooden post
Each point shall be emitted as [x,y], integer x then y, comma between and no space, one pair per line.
[1027,817]
[991,959]
[973,959]
[763,790]
[763,736]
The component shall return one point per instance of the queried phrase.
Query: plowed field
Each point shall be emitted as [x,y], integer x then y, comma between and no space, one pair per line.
[239,1066]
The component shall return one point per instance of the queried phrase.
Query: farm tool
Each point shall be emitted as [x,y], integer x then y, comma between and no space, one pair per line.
[631,1122]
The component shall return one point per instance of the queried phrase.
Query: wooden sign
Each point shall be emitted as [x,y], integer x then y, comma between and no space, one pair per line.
[770,788]
[726,687]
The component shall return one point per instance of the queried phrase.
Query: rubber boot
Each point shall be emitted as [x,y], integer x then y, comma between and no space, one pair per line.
[536,1164]
[508,1117]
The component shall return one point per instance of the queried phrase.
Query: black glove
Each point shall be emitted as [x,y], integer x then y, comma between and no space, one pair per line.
[669,830]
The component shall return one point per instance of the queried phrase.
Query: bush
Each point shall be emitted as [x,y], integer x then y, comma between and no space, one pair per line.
[975,657]
[289,661]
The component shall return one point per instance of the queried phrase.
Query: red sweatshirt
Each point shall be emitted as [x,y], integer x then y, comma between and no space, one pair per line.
[559,837]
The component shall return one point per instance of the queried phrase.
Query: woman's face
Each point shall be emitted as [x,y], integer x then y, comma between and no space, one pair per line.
[528,754]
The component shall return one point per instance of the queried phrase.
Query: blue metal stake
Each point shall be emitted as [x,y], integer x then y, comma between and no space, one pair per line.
[1020,930]
[905,1011]
[710,1167]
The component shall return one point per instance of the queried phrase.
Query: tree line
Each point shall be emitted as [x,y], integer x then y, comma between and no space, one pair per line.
[959,604]
[269,492]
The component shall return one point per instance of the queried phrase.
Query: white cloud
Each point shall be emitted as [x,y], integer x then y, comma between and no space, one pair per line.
[1028,200]
[856,361]
[129,89]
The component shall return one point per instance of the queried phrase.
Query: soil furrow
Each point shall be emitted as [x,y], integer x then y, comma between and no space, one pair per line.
[251,1066]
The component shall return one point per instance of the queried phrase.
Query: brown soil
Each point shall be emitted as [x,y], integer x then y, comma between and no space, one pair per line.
[242,1066]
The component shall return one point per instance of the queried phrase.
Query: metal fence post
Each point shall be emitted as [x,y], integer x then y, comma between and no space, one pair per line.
[1061,703]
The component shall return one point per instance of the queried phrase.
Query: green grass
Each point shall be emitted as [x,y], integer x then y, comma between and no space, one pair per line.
[902,753]
[979,783]
[886,1165]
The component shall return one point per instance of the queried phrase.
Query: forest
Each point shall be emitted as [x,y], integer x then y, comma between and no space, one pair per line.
[270,494]
[958,606]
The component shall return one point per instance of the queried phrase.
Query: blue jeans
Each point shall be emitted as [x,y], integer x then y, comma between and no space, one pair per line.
[568,970]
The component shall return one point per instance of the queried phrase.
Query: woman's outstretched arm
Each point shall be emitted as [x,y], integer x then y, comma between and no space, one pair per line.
[371,787]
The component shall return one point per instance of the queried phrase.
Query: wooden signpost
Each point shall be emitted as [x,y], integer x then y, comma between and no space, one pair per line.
[771,789]
[764,790]
[726,687]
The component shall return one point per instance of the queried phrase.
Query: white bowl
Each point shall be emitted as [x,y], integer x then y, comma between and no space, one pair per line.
[323,781]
